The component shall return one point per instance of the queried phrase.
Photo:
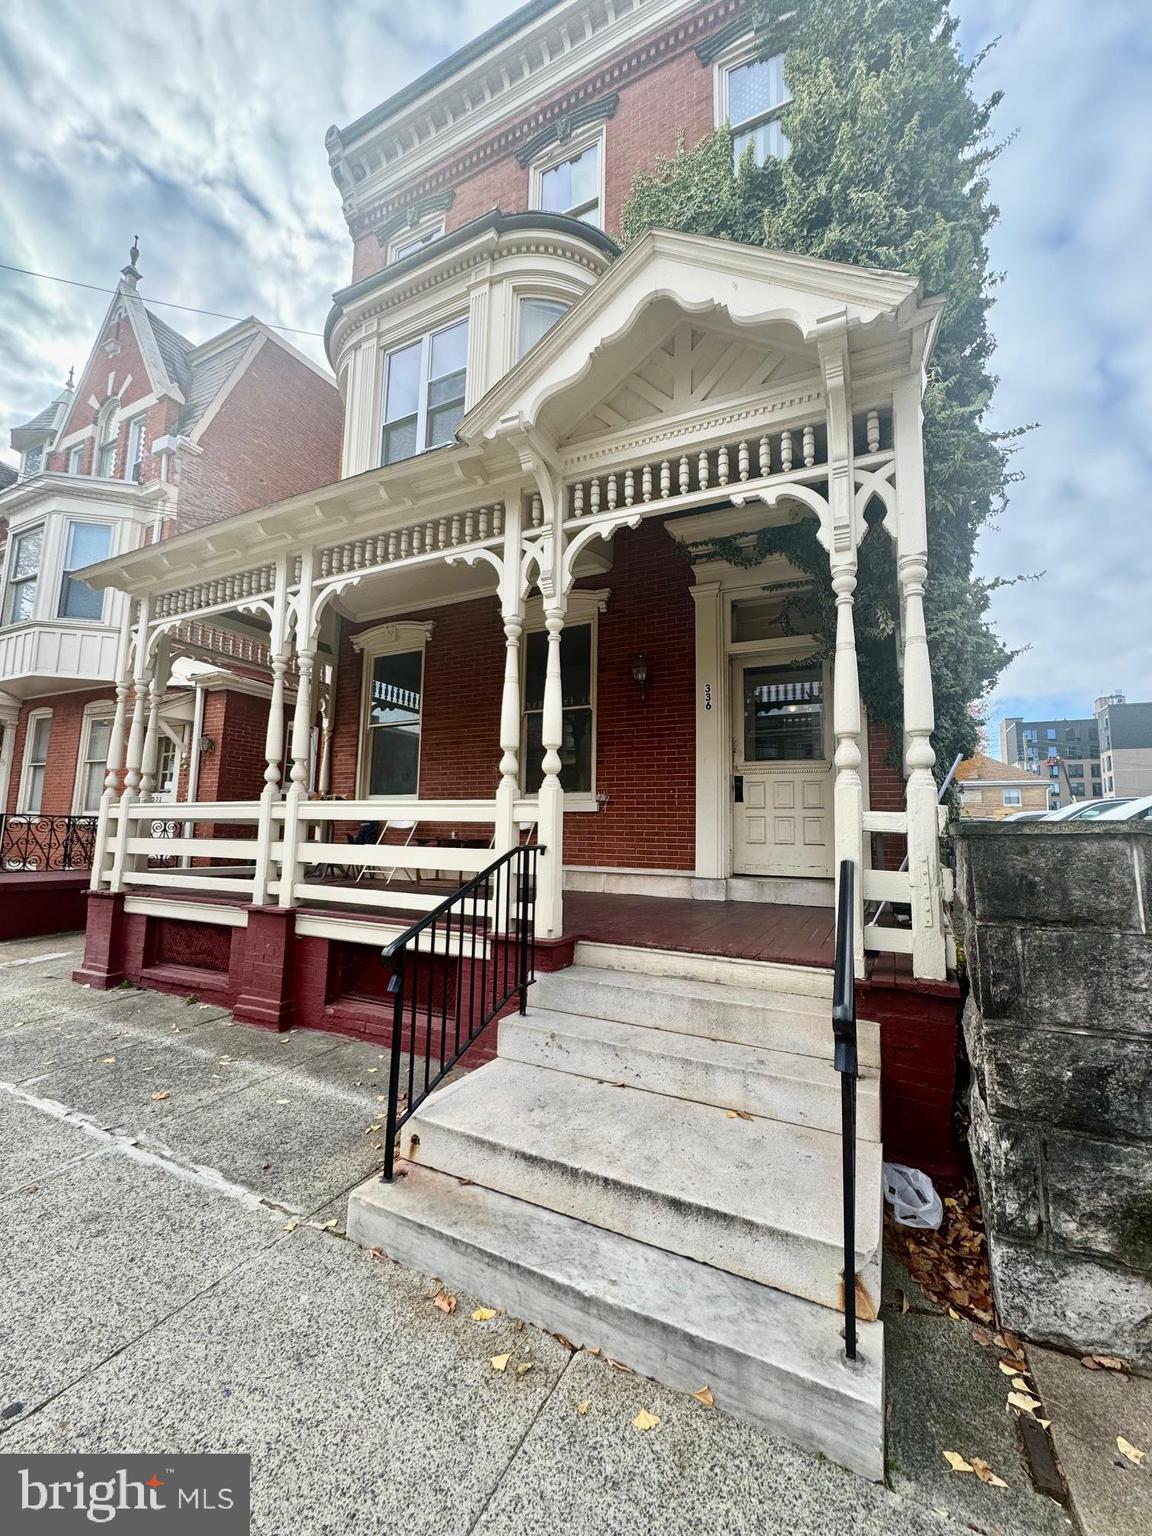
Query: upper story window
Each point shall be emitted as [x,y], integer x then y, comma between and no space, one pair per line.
[424,391]
[75,459]
[134,457]
[33,462]
[84,544]
[536,316]
[23,575]
[107,432]
[751,94]
[414,241]
[572,185]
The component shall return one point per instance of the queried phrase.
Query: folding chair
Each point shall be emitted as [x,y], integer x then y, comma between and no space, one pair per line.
[392,826]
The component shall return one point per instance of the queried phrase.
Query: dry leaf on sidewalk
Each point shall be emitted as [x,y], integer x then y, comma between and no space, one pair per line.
[524,1368]
[1126,1448]
[645,1420]
[483,1314]
[499,1362]
[163,1094]
[705,1396]
[986,1475]
[445,1301]
[1104,1363]
[584,1406]
[957,1462]
[1022,1401]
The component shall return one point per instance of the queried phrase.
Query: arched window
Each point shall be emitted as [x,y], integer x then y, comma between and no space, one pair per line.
[107,432]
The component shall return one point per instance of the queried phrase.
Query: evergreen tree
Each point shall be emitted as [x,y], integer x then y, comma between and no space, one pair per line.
[886,168]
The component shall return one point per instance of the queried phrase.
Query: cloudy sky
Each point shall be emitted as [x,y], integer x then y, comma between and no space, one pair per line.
[199,125]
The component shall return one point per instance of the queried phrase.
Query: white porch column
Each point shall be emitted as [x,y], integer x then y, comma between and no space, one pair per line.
[848,793]
[273,735]
[512,614]
[141,677]
[150,758]
[301,726]
[929,947]
[550,888]
[713,749]
[116,744]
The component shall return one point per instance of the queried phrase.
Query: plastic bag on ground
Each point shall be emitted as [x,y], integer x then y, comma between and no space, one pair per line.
[912,1196]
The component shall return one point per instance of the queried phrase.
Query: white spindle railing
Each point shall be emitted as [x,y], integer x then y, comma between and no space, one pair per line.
[430,536]
[216,593]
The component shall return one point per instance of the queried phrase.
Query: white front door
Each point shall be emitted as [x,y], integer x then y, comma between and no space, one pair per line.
[782,770]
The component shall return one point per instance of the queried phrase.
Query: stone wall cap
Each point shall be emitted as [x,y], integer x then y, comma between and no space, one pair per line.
[1105,829]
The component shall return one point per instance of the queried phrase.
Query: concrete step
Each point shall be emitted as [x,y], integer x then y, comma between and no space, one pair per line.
[779,1085]
[770,1359]
[774,1021]
[757,1198]
[724,970]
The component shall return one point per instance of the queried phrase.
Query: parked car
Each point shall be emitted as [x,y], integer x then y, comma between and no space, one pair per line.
[1026,816]
[1086,810]
[1139,809]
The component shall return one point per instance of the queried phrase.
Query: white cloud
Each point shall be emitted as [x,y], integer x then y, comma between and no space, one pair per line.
[201,128]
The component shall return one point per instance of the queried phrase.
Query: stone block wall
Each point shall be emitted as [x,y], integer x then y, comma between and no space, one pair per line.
[1055,919]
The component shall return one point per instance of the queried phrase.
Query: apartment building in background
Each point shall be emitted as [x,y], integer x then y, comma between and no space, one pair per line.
[1065,753]
[1125,745]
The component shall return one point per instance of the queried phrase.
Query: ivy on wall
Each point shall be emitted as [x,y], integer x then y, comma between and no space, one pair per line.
[886,168]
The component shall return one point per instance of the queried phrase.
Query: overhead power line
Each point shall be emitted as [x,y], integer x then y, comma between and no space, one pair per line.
[213,314]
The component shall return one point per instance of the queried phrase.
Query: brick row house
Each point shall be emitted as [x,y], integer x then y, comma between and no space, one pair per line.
[158,436]
[522,655]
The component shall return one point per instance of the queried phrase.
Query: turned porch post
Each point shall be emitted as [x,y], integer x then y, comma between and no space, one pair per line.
[273,735]
[550,891]
[512,615]
[141,678]
[301,725]
[843,534]
[929,945]
[116,744]
[150,759]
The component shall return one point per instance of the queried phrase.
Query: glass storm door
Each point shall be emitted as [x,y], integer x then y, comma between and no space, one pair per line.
[782,773]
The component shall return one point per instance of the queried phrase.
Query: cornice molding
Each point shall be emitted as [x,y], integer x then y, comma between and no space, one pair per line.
[561,128]
[383,637]
[417,168]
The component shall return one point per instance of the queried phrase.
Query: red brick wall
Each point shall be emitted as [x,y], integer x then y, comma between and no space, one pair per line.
[645,754]
[277,434]
[237,723]
[63,747]
[885,793]
[665,94]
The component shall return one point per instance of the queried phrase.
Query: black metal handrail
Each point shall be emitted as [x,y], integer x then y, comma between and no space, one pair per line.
[453,973]
[37,843]
[846,1063]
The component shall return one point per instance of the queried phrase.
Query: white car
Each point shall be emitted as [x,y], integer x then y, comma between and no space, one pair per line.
[1086,810]
[1131,810]
[1026,816]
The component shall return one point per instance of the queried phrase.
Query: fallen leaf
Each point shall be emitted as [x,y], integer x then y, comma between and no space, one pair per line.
[950,1202]
[1126,1448]
[483,1314]
[584,1406]
[499,1362]
[1012,1340]
[740,1114]
[290,1226]
[1020,1384]
[1009,1367]
[957,1462]
[524,1368]
[1022,1401]
[982,1337]
[328,1226]
[1090,1363]
[953,1314]
[986,1475]
[108,1061]
[1105,1362]
[281,1101]
[595,1350]
[445,1301]
[905,1304]
[645,1420]
[705,1396]
[164,1094]
[618,1365]
[1044,1423]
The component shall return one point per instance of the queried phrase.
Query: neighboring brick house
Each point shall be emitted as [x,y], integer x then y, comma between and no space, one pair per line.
[158,436]
[994,791]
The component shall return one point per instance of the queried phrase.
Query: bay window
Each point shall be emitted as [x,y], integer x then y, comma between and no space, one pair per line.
[425,384]
[414,241]
[576,665]
[84,544]
[751,96]
[23,575]
[535,318]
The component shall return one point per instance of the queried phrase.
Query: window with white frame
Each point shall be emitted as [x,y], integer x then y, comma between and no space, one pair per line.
[425,384]
[75,459]
[1012,797]
[535,318]
[107,433]
[167,769]
[84,544]
[414,240]
[394,701]
[32,462]
[751,94]
[36,742]
[135,453]
[577,652]
[23,575]
[93,764]
[572,183]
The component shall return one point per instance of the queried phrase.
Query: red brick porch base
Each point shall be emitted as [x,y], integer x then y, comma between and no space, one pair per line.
[103,963]
[266,983]
[919,1033]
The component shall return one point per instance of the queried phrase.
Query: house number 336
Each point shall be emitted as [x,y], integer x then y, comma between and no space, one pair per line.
[707,695]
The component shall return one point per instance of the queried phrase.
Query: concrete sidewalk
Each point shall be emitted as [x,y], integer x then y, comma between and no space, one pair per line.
[173,1281]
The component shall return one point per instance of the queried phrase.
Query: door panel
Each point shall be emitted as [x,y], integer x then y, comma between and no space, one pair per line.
[782,824]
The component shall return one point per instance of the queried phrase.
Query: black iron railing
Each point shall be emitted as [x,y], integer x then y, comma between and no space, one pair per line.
[845,1062]
[41,843]
[453,973]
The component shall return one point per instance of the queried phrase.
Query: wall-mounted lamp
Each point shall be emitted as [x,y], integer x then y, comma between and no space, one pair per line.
[640,673]
[207,746]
